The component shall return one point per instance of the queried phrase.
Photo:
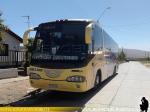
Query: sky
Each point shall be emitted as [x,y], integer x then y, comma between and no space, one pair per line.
[127,21]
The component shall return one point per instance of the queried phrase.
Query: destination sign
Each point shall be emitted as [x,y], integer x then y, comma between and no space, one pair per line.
[54,57]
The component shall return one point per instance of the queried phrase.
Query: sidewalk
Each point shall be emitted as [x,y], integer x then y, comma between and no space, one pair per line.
[8,73]
[124,92]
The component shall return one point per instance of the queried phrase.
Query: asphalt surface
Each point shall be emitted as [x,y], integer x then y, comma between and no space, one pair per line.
[120,93]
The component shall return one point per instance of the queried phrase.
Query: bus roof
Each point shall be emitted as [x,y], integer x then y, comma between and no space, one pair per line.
[70,20]
[87,20]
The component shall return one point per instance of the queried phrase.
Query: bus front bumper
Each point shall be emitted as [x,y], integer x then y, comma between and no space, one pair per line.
[59,85]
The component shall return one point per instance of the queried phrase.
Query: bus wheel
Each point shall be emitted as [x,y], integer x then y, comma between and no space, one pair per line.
[97,79]
[115,71]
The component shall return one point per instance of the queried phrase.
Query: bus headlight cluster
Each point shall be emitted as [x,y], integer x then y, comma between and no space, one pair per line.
[34,76]
[76,79]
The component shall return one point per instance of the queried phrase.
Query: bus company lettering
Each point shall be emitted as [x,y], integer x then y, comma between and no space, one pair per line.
[54,57]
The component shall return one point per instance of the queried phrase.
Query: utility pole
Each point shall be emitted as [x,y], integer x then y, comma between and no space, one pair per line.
[28,22]
[104,11]
[26,52]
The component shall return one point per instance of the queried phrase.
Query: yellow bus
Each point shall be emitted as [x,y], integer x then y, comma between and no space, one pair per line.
[71,55]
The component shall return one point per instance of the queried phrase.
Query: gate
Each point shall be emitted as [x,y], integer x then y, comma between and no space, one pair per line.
[12,59]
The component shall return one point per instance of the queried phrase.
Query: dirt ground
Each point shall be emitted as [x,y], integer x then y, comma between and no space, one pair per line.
[13,91]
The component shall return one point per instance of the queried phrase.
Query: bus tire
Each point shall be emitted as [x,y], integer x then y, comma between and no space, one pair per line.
[115,70]
[97,79]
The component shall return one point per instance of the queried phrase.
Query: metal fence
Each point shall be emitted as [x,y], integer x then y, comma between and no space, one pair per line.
[12,59]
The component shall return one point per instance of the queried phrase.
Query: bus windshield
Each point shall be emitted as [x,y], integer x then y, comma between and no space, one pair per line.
[60,41]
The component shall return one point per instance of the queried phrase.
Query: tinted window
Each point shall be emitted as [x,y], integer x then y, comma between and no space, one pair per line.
[98,39]
[61,39]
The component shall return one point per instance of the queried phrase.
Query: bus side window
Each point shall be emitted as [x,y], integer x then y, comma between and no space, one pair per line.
[98,38]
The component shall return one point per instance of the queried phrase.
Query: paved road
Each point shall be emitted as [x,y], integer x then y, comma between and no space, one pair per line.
[124,92]
[121,93]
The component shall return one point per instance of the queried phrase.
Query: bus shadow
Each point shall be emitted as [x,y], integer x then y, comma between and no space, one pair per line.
[59,99]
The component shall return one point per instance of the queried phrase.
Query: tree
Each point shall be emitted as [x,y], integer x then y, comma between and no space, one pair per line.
[2,27]
[1,21]
[29,47]
[148,58]
[122,56]
[30,44]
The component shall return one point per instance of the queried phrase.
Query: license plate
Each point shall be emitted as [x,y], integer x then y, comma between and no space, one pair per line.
[53,86]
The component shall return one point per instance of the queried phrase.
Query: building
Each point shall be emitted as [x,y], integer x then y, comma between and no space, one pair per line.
[12,39]
[10,50]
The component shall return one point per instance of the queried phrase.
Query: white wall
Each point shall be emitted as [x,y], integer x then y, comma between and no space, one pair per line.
[12,42]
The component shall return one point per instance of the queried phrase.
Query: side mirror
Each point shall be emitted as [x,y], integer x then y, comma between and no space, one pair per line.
[26,37]
[88,34]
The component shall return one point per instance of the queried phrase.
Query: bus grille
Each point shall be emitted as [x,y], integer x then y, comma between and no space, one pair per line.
[53,73]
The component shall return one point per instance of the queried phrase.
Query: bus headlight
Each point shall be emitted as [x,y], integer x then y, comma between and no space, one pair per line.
[34,76]
[75,79]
